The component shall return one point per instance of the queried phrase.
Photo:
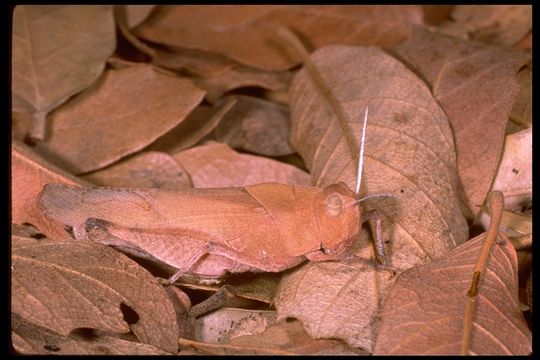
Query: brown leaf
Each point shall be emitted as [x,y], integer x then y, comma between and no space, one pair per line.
[409,149]
[57,52]
[67,285]
[149,169]
[424,312]
[28,338]
[217,165]
[256,125]
[283,338]
[29,174]
[495,24]
[247,33]
[476,86]
[198,124]
[123,112]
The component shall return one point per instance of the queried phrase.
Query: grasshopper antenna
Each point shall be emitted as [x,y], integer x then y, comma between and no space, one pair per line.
[361,155]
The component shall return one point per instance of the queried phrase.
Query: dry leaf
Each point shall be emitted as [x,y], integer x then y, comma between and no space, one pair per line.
[522,110]
[67,285]
[217,165]
[495,24]
[29,173]
[335,300]
[149,169]
[199,123]
[256,125]
[476,86]
[247,33]
[28,338]
[123,112]
[284,338]
[424,312]
[57,51]
[409,149]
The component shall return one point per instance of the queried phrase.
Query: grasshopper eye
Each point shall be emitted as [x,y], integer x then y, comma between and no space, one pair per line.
[333,205]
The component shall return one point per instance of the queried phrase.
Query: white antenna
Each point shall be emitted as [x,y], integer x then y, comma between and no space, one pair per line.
[361,156]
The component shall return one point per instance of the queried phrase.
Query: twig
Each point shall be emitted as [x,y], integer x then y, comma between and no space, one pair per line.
[496,201]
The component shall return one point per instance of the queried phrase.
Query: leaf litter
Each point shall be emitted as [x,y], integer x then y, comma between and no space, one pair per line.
[143,118]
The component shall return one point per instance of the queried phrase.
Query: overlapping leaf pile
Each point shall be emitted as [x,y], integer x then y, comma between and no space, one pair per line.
[175,98]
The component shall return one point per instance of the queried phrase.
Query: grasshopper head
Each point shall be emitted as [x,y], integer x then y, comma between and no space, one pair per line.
[338,218]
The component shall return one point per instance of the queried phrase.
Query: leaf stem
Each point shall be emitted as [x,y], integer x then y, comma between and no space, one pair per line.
[496,201]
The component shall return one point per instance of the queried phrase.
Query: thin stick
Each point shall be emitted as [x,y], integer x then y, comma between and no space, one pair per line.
[496,201]
[297,45]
